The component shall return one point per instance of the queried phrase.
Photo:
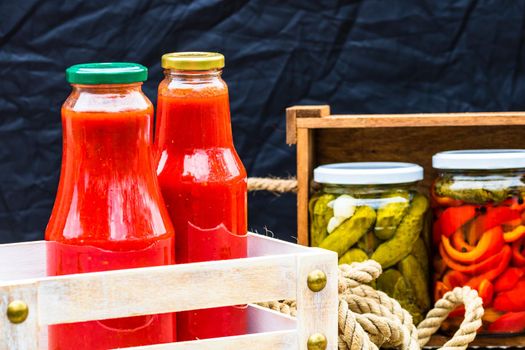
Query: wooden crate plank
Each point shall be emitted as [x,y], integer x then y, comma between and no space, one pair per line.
[26,334]
[292,113]
[415,145]
[305,161]
[317,312]
[281,340]
[20,261]
[412,120]
[163,289]
[483,342]
[259,245]
[263,320]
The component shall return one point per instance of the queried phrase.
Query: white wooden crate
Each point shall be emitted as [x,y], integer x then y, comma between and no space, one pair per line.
[274,270]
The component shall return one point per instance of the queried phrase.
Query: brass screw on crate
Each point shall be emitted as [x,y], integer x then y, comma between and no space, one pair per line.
[17,311]
[316,280]
[317,341]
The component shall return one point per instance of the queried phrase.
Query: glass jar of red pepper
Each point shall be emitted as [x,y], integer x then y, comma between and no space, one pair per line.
[479,233]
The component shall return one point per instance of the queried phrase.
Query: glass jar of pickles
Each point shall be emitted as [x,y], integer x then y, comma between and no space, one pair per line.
[373,211]
[479,235]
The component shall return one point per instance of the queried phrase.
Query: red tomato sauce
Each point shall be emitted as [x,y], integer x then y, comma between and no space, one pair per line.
[108,215]
[204,186]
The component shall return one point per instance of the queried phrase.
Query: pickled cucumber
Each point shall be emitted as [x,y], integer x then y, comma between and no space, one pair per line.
[414,275]
[388,218]
[353,255]
[406,298]
[350,231]
[399,246]
[321,215]
[387,281]
[420,252]
[395,285]
[392,236]
[369,242]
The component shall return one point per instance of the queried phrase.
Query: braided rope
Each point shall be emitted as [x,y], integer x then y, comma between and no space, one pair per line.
[272,185]
[369,319]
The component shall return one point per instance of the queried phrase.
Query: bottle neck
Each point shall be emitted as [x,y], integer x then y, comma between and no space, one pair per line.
[107,126]
[194,76]
[193,111]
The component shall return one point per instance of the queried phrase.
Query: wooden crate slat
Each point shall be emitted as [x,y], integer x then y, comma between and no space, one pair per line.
[305,161]
[163,289]
[259,245]
[483,342]
[280,340]
[263,320]
[25,335]
[292,113]
[324,304]
[267,329]
[20,261]
[412,120]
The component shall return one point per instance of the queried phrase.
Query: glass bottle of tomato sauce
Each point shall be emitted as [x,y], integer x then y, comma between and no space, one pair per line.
[202,179]
[108,213]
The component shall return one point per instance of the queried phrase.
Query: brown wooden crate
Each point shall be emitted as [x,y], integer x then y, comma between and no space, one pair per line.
[323,139]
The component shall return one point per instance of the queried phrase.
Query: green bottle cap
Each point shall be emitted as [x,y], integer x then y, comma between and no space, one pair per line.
[106,73]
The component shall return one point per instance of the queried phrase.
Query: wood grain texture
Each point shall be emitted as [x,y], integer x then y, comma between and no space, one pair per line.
[281,340]
[305,162]
[134,292]
[25,335]
[323,305]
[20,261]
[291,125]
[412,120]
[415,145]
[280,333]
[482,342]
[261,320]
[259,245]
[292,113]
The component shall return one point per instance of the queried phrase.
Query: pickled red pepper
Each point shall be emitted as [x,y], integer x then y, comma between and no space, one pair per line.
[480,233]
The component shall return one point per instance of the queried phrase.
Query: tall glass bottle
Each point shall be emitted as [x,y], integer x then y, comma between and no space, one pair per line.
[202,178]
[108,213]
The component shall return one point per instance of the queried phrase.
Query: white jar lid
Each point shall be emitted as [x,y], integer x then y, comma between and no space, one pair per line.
[479,159]
[368,173]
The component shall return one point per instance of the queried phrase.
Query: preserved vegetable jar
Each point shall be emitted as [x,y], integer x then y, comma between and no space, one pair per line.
[479,234]
[374,211]
[202,179]
[108,212]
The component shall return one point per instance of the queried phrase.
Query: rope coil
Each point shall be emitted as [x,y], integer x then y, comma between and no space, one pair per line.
[369,319]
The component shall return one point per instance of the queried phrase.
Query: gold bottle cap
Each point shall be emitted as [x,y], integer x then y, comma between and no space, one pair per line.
[193,60]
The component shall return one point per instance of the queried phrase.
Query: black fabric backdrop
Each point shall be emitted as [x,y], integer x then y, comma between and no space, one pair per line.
[358,56]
